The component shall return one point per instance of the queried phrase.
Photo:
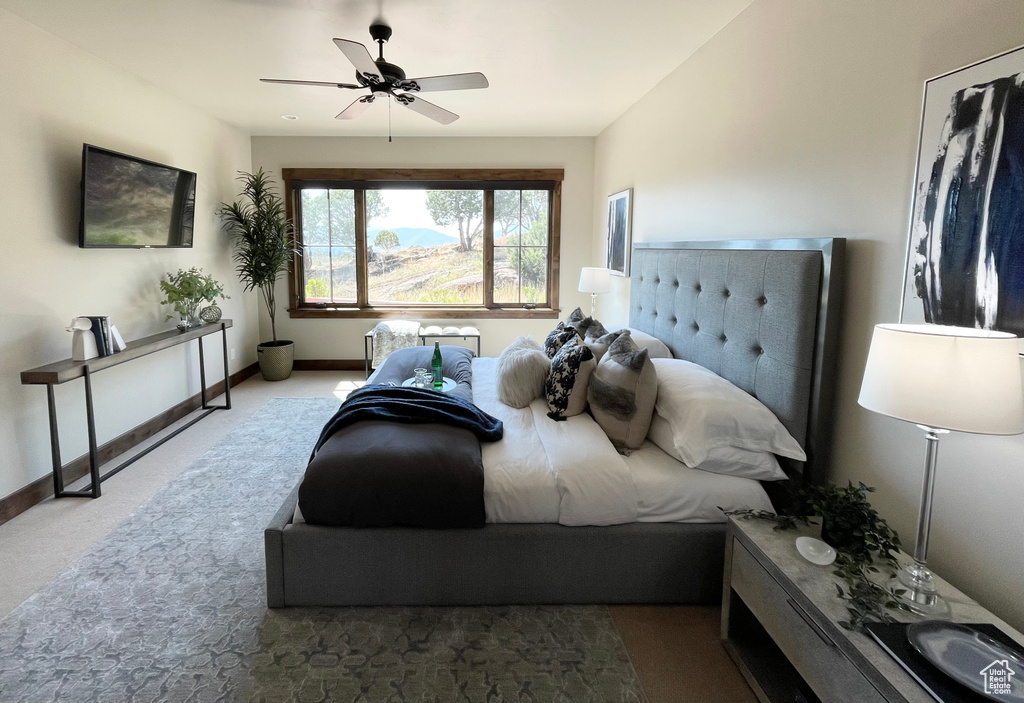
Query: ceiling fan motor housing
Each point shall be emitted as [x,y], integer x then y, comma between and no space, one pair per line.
[380,32]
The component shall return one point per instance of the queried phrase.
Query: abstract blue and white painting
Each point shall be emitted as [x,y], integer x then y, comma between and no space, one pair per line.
[965,262]
[619,235]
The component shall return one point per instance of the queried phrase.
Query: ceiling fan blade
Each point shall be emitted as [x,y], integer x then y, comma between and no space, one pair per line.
[360,58]
[326,84]
[456,81]
[357,108]
[438,114]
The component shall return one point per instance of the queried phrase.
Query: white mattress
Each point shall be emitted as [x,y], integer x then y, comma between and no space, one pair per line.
[569,473]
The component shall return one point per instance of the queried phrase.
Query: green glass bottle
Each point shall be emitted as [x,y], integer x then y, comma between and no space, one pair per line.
[435,365]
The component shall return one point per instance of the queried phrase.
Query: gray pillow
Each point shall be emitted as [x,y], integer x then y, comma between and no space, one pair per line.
[566,385]
[599,345]
[657,348]
[522,370]
[622,392]
[586,326]
[456,364]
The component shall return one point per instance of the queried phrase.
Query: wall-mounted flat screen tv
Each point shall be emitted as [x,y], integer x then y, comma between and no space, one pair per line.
[134,203]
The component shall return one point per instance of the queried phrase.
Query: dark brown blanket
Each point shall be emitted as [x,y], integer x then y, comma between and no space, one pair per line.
[377,473]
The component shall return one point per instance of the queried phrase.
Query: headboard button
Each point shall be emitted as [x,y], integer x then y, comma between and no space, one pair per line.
[762,300]
[724,338]
[758,350]
[697,288]
[726,293]
[696,327]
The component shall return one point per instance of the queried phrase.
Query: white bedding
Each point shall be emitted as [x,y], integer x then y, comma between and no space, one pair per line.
[568,472]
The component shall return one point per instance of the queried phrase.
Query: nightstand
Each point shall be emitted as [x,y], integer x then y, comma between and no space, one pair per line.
[779,615]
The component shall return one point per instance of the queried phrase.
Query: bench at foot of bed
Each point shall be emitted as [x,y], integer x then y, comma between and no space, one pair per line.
[311,565]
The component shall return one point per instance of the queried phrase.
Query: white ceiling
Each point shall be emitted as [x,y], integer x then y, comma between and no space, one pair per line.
[556,67]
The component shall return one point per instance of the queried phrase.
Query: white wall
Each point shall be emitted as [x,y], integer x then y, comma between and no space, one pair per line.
[801,118]
[343,339]
[55,97]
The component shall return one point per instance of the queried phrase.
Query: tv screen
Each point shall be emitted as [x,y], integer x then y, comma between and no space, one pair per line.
[131,202]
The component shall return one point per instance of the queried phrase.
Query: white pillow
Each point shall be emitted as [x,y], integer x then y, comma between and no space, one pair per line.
[656,348]
[522,369]
[706,412]
[744,463]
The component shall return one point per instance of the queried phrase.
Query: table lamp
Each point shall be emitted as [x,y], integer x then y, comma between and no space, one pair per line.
[594,280]
[941,379]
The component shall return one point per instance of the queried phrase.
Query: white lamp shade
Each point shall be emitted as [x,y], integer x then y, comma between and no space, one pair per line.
[952,378]
[594,280]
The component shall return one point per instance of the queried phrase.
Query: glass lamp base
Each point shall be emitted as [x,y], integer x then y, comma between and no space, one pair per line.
[919,593]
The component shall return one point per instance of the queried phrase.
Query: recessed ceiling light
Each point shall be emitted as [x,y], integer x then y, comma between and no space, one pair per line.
[289,117]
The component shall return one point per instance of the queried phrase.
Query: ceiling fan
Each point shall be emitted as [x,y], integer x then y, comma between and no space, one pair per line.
[388,80]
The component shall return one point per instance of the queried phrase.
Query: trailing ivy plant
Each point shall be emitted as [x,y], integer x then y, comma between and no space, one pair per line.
[865,546]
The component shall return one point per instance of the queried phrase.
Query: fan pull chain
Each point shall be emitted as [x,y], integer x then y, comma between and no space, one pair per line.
[389,120]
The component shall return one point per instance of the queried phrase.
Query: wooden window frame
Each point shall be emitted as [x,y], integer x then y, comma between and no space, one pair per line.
[487,180]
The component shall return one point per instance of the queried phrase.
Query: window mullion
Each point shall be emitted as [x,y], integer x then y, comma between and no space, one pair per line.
[362,271]
[488,248]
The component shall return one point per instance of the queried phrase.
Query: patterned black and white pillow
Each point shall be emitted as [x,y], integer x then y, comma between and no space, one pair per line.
[566,385]
[558,337]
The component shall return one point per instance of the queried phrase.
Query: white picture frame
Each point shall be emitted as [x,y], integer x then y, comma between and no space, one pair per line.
[963,264]
[619,232]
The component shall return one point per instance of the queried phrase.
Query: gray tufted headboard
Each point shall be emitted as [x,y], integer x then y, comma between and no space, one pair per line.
[762,314]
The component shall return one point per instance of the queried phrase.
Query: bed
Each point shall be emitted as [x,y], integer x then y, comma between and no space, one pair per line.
[761,313]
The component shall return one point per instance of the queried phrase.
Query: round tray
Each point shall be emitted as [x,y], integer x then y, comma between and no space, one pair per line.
[449,384]
[971,658]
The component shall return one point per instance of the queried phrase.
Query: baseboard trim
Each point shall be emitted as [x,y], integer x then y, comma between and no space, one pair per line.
[42,488]
[329,365]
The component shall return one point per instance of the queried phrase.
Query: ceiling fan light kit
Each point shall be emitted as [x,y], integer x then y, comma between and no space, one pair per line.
[387,80]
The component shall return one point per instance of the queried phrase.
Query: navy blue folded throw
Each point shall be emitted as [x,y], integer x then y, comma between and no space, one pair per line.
[412,405]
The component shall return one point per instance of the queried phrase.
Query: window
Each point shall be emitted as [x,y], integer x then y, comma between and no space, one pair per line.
[444,243]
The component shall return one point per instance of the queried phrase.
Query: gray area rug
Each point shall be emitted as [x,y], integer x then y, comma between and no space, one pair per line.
[171,606]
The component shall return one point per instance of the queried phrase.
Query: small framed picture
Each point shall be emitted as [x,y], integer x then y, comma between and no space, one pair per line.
[619,231]
[965,254]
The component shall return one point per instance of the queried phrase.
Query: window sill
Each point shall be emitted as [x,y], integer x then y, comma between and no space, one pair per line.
[425,313]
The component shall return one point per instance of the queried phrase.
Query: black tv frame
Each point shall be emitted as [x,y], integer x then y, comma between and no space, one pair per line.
[86,149]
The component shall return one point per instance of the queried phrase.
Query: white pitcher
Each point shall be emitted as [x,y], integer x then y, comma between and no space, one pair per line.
[83,344]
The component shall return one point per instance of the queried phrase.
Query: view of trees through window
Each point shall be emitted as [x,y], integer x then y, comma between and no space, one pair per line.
[520,246]
[424,246]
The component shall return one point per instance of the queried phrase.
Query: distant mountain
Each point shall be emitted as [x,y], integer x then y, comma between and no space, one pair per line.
[414,236]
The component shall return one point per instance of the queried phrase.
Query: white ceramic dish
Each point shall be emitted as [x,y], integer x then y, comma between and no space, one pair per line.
[815,551]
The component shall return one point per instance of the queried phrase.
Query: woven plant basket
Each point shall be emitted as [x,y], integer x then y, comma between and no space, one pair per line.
[276,359]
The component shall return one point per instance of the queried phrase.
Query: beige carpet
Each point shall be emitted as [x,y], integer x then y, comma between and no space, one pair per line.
[677,654]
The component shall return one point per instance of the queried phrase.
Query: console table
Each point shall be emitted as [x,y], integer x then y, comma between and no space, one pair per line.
[68,370]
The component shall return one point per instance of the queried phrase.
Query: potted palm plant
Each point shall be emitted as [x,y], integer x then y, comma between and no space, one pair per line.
[264,242]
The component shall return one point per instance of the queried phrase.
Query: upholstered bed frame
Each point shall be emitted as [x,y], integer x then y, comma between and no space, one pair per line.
[760,313]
